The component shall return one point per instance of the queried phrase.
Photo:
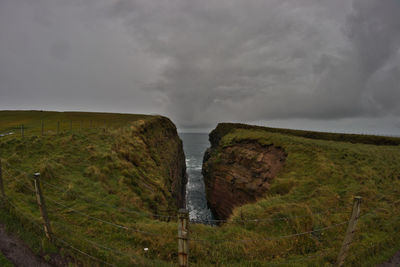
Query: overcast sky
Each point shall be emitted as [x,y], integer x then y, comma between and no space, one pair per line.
[317,64]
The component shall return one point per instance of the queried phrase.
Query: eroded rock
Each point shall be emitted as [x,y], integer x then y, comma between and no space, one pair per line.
[239,174]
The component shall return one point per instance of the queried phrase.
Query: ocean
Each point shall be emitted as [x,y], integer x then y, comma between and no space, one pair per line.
[194,145]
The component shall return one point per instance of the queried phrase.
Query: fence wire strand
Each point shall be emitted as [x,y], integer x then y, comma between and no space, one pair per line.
[101,220]
[23,183]
[21,212]
[95,244]
[99,246]
[102,204]
[270,239]
[91,201]
[82,252]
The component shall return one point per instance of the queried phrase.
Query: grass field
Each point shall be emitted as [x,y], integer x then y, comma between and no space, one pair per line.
[88,170]
[11,121]
[314,190]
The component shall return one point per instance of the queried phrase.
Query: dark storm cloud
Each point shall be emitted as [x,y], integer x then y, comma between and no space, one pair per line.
[201,62]
[249,60]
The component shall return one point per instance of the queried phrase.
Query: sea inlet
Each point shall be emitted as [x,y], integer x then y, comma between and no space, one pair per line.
[194,145]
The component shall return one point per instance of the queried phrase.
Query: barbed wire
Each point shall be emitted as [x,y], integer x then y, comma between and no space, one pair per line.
[124,254]
[101,220]
[305,257]
[82,252]
[63,226]
[196,240]
[286,218]
[19,131]
[92,201]
[372,212]
[271,239]
[102,204]
[19,181]
[19,210]
[33,222]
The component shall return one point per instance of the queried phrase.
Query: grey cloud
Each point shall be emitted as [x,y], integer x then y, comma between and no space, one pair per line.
[250,60]
[201,62]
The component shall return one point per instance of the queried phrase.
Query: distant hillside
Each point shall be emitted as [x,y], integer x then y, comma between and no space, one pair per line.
[224,128]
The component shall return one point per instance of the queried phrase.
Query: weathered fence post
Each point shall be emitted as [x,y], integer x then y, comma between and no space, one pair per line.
[350,231]
[58,127]
[42,206]
[183,238]
[3,195]
[42,128]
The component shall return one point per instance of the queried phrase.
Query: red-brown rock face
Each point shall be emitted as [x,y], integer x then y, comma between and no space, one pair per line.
[239,174]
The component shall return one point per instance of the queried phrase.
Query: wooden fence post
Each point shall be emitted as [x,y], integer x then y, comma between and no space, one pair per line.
[3,195]
[350,231]
[42,206]
[58,127]
[183,235]
[42,128]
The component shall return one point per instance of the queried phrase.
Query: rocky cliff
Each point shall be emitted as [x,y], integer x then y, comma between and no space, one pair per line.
[155,150]
[238,173]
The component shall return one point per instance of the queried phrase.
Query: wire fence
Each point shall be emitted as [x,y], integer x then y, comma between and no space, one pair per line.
[46,128]
[100,204]
[39,227]
[182,237]
[93,202]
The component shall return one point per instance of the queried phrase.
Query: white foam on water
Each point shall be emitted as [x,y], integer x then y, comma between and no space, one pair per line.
[196,201]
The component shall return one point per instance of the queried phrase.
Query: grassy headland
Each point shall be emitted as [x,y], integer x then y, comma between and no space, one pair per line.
[120,176]
[315,190]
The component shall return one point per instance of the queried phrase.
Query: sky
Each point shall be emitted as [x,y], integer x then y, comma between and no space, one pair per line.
[307,64]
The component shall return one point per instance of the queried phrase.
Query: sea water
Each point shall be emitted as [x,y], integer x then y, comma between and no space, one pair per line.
[194,145]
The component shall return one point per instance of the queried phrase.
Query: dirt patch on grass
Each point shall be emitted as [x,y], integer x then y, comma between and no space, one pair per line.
[393,262]
[17,252]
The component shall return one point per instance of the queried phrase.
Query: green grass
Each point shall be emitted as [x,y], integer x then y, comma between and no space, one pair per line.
[116,171]
[320,176]
[112,175]
[225,128]
[5,262]
[77,121]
